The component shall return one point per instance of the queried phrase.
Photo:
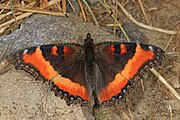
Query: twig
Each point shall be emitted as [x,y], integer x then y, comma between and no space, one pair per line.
[12,11]
[106,7]
[143,11]
[155,110]
[6,68]
[165,83]
[3,9]
[17,18]
[43,3]
[83,13]
[116,11]
[52,2]
[64,6]
[142,85]
[145,26]
[170,111]
[74,10]
[130,114]
[168,43]
[32,10]
[2,29]
[4,15]
[125,115]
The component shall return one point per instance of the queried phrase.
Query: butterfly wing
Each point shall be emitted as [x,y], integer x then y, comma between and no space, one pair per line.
[62,64]
[119,63]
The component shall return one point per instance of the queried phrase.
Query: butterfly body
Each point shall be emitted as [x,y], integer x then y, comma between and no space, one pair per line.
[91,72]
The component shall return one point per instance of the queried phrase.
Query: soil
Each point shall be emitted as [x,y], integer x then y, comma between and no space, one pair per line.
[23,97]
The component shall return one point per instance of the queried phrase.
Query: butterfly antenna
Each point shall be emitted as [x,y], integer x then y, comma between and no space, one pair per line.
[110,14]
[68,18]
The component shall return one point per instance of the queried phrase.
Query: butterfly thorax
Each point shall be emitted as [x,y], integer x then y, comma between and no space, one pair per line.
[89,49]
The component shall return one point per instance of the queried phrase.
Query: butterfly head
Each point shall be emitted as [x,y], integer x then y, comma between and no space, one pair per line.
[88,39]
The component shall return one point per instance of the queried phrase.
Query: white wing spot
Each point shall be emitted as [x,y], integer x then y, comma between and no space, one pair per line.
[151,48]
[25,51]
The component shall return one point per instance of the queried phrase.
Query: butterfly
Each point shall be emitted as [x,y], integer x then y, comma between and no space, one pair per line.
[91,73]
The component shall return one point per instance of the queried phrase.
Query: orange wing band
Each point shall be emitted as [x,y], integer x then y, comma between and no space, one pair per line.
[139,58]
[72,88]
[131,68]
[113,88]
[38,61]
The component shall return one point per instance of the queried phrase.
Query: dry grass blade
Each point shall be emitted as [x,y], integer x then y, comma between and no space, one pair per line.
[155,111]
[12,11]
[142,85]
[130,113]
[94,18]
[33,10]
[105,6]
[64,6]
[170,112]
[29,12]
[52,2]
[143,25]
[6,68]
[143,11]
[72,7]
[43,3]
[83,13]
[116,11]
[4,15]
[125,115]
[173,91]
[2,29]
[168,43]
[17,18]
